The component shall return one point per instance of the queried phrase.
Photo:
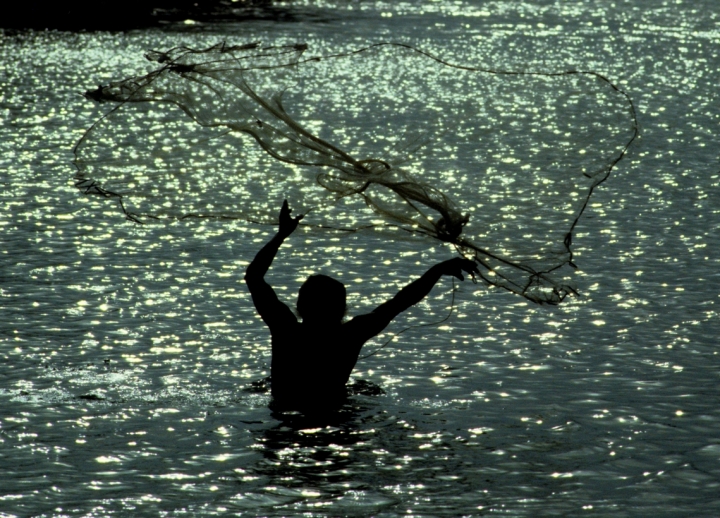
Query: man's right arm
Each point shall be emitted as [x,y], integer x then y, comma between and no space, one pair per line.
[374,322]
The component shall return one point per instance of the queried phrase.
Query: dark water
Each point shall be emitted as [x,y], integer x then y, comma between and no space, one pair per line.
[129,351]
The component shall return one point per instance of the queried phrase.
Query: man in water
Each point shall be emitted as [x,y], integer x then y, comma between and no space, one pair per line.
[312,360]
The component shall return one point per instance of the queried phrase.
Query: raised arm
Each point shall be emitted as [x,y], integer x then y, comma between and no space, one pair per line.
[377,320]
[264,297]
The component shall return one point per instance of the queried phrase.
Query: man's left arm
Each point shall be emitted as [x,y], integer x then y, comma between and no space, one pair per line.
[264,297]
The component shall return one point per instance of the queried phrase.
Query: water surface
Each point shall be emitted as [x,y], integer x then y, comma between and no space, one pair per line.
[127,350]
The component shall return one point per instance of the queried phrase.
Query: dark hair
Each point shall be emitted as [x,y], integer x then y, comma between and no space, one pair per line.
[321,298]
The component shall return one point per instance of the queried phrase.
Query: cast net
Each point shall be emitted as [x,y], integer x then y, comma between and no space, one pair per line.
[499,164]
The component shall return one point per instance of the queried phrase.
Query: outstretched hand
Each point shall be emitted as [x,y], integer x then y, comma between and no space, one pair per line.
[288,224]
[456,266]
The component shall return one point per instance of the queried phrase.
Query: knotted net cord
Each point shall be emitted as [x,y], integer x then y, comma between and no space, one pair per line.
[274,95]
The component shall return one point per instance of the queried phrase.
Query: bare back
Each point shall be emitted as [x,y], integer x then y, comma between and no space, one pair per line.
[311,363]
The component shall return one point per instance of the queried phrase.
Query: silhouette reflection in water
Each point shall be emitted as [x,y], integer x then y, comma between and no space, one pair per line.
[312,360]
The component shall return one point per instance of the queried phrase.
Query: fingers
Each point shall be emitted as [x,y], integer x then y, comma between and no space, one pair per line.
[460,265]
[470,266]
[287,211]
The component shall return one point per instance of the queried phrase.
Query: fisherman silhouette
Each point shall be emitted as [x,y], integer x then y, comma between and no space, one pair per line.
[312,360]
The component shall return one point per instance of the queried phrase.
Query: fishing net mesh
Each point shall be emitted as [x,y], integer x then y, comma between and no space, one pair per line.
[499,164]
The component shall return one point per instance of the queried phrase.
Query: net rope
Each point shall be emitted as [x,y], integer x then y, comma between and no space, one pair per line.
[435,149]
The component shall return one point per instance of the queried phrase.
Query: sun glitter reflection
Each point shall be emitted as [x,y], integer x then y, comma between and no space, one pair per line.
[107,459]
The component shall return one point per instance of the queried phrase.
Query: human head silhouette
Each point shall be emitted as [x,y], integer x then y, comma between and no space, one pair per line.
[321,299]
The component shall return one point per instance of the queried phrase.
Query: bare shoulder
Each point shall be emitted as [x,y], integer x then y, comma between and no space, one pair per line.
[366,326]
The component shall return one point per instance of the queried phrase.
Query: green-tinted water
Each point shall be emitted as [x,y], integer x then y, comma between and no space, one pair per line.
[126,349]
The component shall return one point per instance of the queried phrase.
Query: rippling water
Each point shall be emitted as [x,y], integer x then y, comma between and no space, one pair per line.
[131,353]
